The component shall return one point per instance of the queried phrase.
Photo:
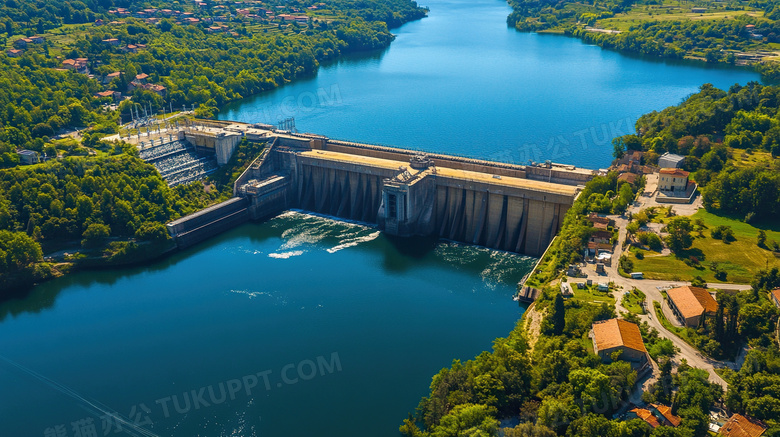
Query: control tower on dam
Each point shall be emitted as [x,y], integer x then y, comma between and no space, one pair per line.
[407,193]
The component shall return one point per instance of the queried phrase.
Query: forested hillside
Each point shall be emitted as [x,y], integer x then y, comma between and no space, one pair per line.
[733,33]
[99,197]
[187,61]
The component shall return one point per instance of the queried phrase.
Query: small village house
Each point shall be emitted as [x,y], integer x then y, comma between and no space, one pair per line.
[741,426]
[616,335]
[691,305]
[673,179]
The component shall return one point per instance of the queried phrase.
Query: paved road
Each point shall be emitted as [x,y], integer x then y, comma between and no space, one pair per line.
[650,288]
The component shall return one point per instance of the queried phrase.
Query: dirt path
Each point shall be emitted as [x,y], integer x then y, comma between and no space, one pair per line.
[532,320]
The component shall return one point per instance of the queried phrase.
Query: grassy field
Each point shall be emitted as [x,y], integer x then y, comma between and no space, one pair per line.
[670,11]
[633,301]
[745,159]
[741,259]
[592,295]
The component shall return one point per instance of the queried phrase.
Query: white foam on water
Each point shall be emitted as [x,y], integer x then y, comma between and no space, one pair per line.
[351,242]
[251,294]
[285,255]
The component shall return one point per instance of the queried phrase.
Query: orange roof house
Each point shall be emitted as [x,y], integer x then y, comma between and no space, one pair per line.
[631,178]
[774,296]
[667,417]
[674,172]
[673,179]
[647,416]
[691,304]
[741,426]
[615,335]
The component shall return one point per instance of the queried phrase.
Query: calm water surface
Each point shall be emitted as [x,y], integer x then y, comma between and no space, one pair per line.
[461,82]
[306,326]
[347,326]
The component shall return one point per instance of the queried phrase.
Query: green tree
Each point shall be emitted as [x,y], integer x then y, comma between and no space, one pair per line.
[18,250]
[468,420]
[528,430]
[679,238]
[558,315]
[95,234]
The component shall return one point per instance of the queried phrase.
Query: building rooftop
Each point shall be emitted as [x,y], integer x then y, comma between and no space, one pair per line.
[776,293]
[741,426]
[667,413]
[671,157]
[647,416]
[674,172]
[692,301]
[595,218]
[617,333]
[628,177]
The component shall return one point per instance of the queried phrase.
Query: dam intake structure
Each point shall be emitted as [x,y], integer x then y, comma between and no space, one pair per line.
[405,193]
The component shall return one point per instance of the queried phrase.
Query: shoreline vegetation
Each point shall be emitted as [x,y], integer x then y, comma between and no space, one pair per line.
[739,34]
[73,75]
[544,378]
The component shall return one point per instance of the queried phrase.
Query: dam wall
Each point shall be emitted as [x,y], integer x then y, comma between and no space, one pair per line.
[513,220]
[208,222]
[405,193]
[462,200]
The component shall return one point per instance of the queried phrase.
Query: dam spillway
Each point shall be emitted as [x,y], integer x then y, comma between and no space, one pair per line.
[405,193]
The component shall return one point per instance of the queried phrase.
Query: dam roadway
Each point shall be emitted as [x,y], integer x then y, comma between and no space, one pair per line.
[404,193]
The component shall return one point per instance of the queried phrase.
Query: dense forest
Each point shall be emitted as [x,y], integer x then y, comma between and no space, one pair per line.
[196,66]
[555,386]
[116,205]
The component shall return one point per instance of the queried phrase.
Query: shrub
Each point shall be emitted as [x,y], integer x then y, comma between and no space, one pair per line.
[626,264]
[650,239]
[95,234]
[724,233]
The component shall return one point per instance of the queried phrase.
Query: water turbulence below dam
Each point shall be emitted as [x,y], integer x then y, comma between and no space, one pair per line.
[347,324]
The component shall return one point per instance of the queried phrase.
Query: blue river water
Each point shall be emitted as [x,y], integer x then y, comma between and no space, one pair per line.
[461,82]
[303,325]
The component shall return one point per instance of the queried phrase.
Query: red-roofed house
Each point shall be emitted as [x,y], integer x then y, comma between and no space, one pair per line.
[616,335]
[741,426]
[22,43]
[673,179]
[664,415]
[111,76]
[79,65]
[631,178]
[14,53]
[691,304]
[774,295]
[645,415]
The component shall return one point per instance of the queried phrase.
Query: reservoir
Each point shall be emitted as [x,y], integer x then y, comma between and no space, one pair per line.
[347,327]
[461,82]
[303,325]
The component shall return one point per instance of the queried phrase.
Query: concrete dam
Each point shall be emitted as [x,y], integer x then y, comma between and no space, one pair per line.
[405,193]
